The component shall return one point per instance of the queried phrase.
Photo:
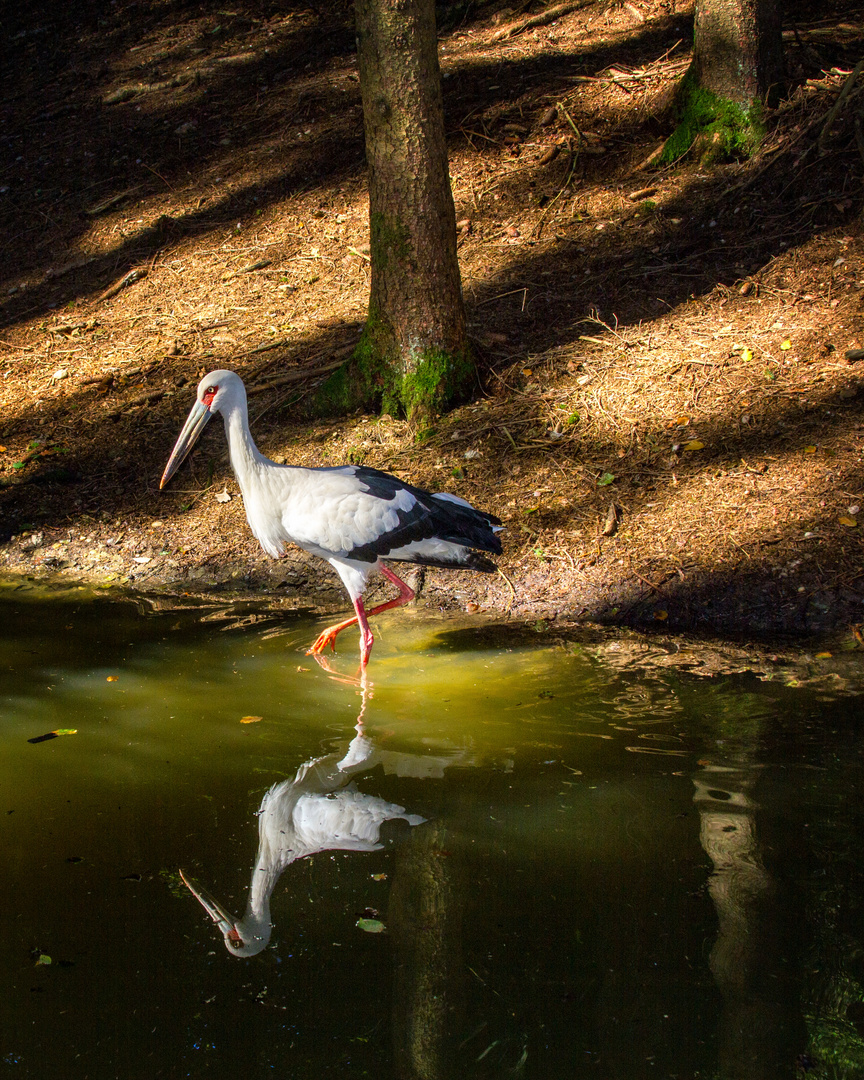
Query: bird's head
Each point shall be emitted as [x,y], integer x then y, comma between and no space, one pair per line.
[240,939]
[216,392]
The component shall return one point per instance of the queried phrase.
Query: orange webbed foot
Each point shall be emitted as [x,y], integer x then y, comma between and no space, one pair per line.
[321,642]
[328,637]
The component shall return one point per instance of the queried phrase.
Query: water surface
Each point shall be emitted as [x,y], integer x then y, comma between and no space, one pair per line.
[620,872]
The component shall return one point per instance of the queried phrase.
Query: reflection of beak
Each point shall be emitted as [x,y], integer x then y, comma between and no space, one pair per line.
[196,421]
[223,919]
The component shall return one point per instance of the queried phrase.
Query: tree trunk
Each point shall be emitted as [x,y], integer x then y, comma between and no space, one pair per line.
[738,49]
[414,354]
[737,68]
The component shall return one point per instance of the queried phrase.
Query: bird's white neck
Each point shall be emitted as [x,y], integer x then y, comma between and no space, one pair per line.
[256,925]
[245,455]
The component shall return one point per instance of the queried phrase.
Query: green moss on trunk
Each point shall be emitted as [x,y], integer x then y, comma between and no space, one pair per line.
[432,382]
[435,382]
[715,128]
[389,238]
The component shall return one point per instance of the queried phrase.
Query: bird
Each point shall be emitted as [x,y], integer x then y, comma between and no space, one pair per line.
[319,810]
[349,515]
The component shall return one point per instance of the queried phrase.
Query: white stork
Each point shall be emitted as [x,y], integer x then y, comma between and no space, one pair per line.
[349,515]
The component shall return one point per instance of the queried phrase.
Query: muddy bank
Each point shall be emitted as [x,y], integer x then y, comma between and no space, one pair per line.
[773,610]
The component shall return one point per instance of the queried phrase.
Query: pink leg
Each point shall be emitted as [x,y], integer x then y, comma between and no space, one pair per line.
[328,637]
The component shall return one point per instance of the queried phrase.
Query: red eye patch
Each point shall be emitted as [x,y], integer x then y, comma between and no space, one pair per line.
[209,394]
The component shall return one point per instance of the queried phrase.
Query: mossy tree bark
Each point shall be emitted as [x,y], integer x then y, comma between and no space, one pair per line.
[414,355]
[737,67]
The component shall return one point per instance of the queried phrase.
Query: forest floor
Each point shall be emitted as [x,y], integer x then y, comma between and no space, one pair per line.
[666,416]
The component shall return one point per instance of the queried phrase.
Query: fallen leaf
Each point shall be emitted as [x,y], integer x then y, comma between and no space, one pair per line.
[53,735]
[661,616]
[371,926]
[824,655]
[2,449]
[746,355]
[527,371]
[43,960]
[809,449]
[223,496]
[849,522]
[606,479]
[379,877]
[694,444]
[111,678]
[250,719]
[786,345]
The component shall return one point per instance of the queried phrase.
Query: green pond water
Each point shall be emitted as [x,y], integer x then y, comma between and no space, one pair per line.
[620,872]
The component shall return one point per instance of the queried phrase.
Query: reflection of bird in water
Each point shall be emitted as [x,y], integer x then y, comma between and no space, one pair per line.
[351,516]
[319,810]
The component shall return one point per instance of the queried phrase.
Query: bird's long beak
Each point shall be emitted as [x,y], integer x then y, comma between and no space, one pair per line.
[196,421]
[223,919]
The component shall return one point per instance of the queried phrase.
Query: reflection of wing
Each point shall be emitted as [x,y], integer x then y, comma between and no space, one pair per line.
[344,821]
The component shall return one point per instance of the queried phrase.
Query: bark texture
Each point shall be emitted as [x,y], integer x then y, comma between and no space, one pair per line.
[414,353]
[738,49]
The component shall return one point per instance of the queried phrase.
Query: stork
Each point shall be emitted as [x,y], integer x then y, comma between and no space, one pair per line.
[351,516]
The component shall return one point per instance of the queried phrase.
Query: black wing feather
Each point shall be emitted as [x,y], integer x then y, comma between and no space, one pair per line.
[428,518]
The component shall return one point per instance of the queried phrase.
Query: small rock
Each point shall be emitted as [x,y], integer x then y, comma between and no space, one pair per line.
[610,525]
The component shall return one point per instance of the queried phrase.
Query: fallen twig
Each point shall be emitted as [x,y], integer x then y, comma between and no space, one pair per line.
[129,279]
[108,203]
[295,376]
[260,265]
[543,19]
[838,105]
[512,599]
